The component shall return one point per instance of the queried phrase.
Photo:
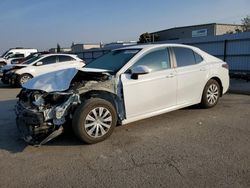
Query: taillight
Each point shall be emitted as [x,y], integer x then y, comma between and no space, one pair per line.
[225,65]
[82,62]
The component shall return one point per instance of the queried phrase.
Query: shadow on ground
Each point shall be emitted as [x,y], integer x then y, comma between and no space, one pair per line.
[8,86]
[9,136]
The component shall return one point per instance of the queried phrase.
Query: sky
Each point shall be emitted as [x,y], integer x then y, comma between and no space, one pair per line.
[42,24]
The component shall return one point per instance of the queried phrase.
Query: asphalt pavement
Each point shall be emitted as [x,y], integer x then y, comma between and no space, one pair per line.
[191,147]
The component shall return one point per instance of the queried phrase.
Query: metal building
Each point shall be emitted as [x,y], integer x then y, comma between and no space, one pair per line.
[202,30]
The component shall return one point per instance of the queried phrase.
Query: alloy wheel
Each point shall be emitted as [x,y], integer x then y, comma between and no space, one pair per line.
[212,94]
[24,79]
[98,122]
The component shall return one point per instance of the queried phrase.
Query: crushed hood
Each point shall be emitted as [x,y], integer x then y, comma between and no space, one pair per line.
[58,80]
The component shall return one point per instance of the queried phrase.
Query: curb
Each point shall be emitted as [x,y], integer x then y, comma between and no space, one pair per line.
[234,91]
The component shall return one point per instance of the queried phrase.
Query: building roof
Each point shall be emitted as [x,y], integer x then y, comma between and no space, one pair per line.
[199,25]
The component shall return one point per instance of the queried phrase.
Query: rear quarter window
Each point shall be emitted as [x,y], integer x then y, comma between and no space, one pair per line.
[198,58]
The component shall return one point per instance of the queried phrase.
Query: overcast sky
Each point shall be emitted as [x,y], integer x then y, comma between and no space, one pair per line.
[44,23]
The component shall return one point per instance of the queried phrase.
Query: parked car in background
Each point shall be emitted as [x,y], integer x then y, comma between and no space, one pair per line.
[22,59]
[15,53]
[14,62]
[37,65]
[122,86]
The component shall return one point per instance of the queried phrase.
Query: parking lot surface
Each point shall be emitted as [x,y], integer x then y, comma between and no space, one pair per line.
[191,147]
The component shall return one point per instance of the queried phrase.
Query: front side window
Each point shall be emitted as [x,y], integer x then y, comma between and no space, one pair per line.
[184,56]
[113,61]
[31,60]
[49,60]
[63,58]
[156,61]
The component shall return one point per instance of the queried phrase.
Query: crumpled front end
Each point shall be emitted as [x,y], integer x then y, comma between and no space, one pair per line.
[41,115]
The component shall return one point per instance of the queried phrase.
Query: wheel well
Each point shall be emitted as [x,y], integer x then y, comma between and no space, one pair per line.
[111,97]
[220,84]
[26,74]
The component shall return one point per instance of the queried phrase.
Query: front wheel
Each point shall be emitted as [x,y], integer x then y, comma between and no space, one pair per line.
[211,94]
[94,120]
[23,79]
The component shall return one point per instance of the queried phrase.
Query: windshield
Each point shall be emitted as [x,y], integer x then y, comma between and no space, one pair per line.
[31,60]
[4,54]
[113,61]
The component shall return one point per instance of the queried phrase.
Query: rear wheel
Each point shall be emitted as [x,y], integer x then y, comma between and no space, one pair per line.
[211,94]
[23,79]
[94,121]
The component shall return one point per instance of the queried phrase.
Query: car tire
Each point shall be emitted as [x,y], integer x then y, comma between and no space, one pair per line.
[2,64]
[94,120]
[211,94]
[23,78]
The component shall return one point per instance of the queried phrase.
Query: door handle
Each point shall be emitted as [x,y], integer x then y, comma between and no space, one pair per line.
[203,69]
[171,75]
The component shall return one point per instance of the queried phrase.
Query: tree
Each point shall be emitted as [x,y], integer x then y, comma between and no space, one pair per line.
[245,24]
[148,37]
[58,48]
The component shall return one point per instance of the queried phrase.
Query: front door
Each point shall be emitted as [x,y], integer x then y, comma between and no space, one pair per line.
[153,91]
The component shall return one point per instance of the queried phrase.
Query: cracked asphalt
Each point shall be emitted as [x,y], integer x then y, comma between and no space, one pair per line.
[191,147]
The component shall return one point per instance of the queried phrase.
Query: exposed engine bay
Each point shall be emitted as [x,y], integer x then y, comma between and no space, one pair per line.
[41,114]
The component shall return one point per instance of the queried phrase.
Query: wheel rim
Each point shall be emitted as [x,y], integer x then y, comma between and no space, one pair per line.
[212,94]
[98,122]
[24,79]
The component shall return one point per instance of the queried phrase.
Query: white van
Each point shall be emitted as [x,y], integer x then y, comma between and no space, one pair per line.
[15,53]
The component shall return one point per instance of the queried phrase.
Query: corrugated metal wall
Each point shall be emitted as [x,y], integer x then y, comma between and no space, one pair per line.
[233,48]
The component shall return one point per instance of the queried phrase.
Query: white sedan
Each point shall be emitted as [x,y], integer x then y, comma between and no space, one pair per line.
[41,64]
[123,86]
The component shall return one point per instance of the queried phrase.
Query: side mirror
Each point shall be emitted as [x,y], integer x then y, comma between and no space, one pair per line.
[39,63]
[139,70]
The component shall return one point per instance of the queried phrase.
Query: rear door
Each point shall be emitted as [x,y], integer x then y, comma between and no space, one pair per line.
[192,73]
[66,61]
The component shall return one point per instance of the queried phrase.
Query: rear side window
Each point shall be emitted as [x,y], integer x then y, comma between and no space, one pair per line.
[63,58]
[157,60]
[184,56]
[49,60]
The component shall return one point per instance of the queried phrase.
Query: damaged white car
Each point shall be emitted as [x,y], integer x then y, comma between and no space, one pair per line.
[120,87]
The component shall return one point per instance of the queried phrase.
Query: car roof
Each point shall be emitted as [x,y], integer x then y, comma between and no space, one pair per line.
[149,46]
[52,54]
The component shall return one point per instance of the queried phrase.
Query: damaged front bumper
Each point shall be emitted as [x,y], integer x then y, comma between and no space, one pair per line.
[32,127]
[39,125]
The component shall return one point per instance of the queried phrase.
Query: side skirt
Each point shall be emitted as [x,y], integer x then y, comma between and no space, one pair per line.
[159,112]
